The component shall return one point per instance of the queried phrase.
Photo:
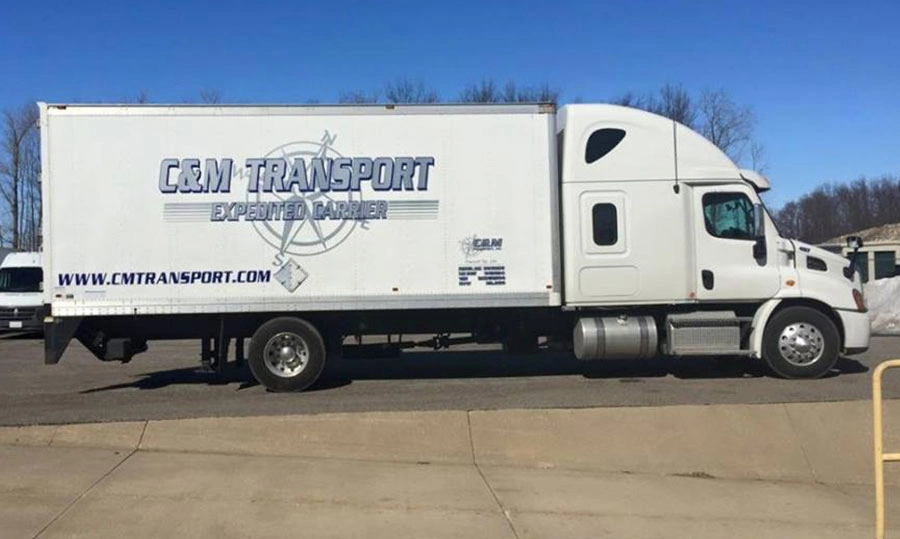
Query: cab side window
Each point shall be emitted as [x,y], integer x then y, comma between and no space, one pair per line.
[605,224]
[729,215]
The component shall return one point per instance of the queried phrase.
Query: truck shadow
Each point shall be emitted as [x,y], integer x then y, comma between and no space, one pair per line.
[496,364]
[21,336]
[479,364]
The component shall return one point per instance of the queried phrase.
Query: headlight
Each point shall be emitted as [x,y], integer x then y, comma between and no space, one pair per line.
[859,300]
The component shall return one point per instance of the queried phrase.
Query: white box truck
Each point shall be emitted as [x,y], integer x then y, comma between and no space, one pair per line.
[606,230]
[21,295]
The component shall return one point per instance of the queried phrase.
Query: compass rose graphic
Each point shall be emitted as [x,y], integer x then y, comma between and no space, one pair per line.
[307,236]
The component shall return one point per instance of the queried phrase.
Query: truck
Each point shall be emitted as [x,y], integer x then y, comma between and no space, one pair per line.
[21,294]
[600,229]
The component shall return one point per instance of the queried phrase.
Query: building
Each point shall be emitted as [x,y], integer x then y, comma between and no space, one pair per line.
[879,254]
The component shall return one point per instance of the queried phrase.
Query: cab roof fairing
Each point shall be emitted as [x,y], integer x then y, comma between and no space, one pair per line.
[654,147]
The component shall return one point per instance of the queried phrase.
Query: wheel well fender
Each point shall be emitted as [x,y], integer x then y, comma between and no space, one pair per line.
[766,310]
[760,319]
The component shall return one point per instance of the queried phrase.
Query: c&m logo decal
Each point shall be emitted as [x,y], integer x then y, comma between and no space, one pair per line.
[302,198]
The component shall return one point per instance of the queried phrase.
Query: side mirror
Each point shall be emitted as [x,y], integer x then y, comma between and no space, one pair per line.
[759,229]
[854,242]
[759,221]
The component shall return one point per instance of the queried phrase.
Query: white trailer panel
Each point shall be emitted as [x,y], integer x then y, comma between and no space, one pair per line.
[379,207]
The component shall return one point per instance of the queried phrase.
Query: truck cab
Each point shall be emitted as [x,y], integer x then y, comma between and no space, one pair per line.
[21,292]
[658,220]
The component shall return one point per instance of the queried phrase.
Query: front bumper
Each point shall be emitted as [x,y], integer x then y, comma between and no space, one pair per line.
[857,330]
[18,319]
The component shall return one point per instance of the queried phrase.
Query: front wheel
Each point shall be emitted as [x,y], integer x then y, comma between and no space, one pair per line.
[287,354]
[800,342]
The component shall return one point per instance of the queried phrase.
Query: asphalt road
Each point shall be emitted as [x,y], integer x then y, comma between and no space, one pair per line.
[166,382]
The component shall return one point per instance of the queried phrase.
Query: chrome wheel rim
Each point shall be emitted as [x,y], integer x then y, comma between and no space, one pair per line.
[801,344]
[286,354]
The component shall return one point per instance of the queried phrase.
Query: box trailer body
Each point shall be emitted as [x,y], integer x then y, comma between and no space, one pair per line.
[357,209]
[603,229]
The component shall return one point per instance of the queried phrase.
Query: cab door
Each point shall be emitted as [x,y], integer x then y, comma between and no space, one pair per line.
[728,265]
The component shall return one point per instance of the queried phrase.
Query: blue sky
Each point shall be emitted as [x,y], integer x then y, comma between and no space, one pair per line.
[822,77]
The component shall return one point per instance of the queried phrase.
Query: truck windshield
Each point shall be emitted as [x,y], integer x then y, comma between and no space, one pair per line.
[771,217]
[21,279]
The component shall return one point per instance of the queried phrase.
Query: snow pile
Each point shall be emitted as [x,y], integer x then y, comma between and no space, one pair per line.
[883,301]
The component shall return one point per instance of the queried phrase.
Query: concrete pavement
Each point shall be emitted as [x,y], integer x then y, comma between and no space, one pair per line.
[64,492]
[787,470]
[828,442]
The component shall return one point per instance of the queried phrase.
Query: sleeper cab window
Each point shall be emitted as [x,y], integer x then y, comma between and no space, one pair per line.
[606,223]
[601,142]
[729,216]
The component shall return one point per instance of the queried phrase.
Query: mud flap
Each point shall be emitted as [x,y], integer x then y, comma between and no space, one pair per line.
[57,334]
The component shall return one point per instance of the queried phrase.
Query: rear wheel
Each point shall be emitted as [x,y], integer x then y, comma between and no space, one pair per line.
[800,342]
[287,354]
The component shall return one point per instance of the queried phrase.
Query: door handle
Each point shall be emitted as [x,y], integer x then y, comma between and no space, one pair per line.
[708,278]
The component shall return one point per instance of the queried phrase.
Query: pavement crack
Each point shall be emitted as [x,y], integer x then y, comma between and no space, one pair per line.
[141,439]
[799,441]
[83,494]
[506,514]
[471,440]
[52,436]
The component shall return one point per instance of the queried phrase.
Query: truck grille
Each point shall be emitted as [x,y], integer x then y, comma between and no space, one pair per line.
[17,313]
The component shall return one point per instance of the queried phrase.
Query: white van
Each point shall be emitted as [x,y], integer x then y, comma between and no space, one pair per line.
[21,292]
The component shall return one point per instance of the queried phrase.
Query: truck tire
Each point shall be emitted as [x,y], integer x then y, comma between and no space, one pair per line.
[287,354]
[800,342]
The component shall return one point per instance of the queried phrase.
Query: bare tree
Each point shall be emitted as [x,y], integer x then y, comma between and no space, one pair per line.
[140,97]
[630,99]
[758,157]
[404,90]
[487,91]
[528,94]
[33,181]
[725,123]
[19,175]
[484,91]
[31,153]
[674,102]
[788,220]
[544,94]
[210,96]
[511,93]
[885,200]
[358,97]
[715,115]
